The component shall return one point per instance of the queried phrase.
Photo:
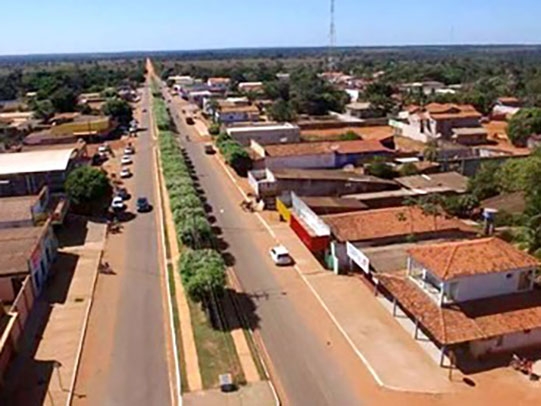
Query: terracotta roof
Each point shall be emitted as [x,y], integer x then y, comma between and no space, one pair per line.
[465,258]
[466,321]
[219,80]
[446,111]
[511,99]
[388,222]
[314,148]
[239,109]
[16,246]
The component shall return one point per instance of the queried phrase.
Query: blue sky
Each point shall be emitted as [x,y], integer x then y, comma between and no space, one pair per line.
[58,26]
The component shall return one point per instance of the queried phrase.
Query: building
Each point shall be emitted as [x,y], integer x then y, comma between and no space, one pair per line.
[320,155]
[182,81]
[470,297]
[381,227]
[199,96]
[251,87]
[25,173]
[470,136]
[435,121]
[265,134]
[428,88]
[237,114]
[362,110]
[442,183]
[505,108]
[218,84]
[268,184]
[25,251]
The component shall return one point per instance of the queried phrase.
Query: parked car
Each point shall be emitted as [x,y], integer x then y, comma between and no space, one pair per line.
[125,173]
[143,205]
[118,203]
[209,149]
[129,151]
[123,193]
[280,255]
[144,110]
[126,160]
[103,149]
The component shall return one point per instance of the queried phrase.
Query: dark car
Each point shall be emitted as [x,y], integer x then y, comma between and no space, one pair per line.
[143,205]
[123,193]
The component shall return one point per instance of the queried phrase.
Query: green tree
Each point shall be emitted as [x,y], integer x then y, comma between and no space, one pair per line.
[381,169]
[524,124]
[203,273]
[214,129]
[408,169]
[88,188]
[282,111]
[64,99]
[485,183]
[460,206]
[119,110]
[430,153]
[43,109]
[520,174]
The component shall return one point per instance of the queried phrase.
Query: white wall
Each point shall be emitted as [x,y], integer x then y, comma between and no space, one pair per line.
[265,137]
[508,342]
[486,285]
[411,131]
[321,161]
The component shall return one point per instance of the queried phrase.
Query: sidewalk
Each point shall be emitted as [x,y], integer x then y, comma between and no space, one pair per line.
[395,360]
[254,394]
[43,371]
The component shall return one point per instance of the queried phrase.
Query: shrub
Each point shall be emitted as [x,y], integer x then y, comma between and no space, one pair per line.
[202,272]
[214,129]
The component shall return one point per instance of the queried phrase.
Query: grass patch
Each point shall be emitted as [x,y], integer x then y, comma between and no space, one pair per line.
[215,349]
[176,323]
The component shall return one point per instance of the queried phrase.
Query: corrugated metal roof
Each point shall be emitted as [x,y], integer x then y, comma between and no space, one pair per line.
[35,161]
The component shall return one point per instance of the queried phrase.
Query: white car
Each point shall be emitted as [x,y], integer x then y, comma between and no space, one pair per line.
[125,173]
[118,203]
[126,160]
[280,255]
[103,149]
[129,151]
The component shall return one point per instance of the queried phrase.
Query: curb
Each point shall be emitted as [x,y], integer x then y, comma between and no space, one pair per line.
[85,326]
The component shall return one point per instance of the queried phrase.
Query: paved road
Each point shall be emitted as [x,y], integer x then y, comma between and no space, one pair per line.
[136,373]
[310,371]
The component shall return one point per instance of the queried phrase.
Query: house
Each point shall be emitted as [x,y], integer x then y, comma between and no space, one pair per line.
[25,251]
[320,155]
[198,97]
[428,88]
[268,184]
[442,183]
[435,121]
[505,108]
[25,173]
[182,81]
[251,87]
[237,114]
[381,227]
[475,295]
[470,136]
[265,134]
[218,84]
[362,110]
[95,101]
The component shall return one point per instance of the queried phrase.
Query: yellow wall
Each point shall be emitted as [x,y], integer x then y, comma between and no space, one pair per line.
[99,124]
[283,210]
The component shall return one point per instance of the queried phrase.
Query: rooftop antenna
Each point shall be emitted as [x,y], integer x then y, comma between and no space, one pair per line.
[332,39]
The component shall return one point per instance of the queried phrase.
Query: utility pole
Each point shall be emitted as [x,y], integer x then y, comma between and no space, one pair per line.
[332,40]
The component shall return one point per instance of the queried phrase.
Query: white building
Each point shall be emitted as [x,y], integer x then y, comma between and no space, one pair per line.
[476,294]
[265,134]
[218,84]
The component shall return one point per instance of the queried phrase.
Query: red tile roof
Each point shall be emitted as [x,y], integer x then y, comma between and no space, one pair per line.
[446,111]
[473,257]
[387,223]
[466,321]
[326,147]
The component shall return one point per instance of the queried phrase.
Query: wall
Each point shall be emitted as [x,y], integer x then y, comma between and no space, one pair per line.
[313,243]
[482,286]
[42,258]
[22,305]
[409,131]
[508,342]
[318,161]
[303,212]
[275,136]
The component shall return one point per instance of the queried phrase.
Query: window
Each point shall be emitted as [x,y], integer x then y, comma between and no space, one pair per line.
[509,275]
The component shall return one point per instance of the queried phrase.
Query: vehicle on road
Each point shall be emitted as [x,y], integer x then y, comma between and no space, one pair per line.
[126,160]
[209,149]
[118,204]
[143,205]
[129,150]
[125,173]
[189,120]
[123,193]
[103,149]
[280,255]
[144,110]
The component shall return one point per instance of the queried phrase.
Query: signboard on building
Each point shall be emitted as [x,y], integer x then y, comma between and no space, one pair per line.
[306,214]
[357,256]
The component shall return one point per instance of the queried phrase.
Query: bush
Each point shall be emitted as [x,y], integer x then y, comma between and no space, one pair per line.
[234,154]
[380,169]
[88,189]
[214,129]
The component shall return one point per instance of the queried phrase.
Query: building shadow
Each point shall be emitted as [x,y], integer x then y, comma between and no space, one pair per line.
[73,232]
[60,278]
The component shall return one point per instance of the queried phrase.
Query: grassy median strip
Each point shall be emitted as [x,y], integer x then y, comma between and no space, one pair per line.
[202,268]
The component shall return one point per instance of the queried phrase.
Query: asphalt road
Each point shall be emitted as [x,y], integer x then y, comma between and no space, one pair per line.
[138,373]
[292,324]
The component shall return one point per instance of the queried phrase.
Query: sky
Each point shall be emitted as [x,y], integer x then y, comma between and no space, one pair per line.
[65,26]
